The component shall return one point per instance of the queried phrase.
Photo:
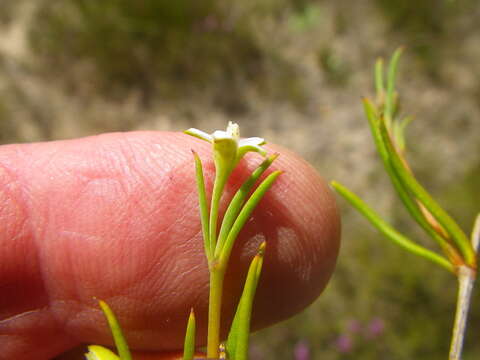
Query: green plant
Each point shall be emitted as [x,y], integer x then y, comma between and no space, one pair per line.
[228,150]
[459,253]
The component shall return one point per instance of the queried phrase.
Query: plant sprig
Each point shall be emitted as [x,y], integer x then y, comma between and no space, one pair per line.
[459,253]
[228,150]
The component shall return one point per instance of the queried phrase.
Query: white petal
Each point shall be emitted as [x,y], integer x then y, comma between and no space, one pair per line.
[199,134]
[252,141]
[222,135]
[233,130]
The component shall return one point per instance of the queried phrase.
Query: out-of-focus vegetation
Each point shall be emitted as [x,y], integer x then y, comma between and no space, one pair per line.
[147,44]
[429,26]
[292,71]
[165,48]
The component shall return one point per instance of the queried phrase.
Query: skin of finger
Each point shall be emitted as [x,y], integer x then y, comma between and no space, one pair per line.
[115,217]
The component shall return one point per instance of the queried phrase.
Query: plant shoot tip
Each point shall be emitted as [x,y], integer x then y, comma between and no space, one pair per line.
[274,156]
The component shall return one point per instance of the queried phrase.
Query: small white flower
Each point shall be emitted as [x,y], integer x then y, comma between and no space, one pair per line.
[228,145]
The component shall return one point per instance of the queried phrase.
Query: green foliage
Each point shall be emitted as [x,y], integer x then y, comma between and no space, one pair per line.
[460,252]
[96,352]
[189,344]
[238,337]
[137,43]
[388,132]
[228,149]
[172,49]
[305,19]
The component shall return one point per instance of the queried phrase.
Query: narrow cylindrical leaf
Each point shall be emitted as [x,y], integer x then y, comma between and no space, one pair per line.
[221,178]
[189,344]
[390,96]
[244,215]
[238,200]
[413,186]
[116,330]
[202,201]
[379,84]
[399,132]
[237,343]
[389,231]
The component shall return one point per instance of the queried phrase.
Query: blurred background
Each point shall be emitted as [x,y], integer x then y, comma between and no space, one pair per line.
[292,71]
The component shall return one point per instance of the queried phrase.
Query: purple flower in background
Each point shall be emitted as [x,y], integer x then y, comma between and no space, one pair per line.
[354,326]
[344,344]
[375,328]
[301,351]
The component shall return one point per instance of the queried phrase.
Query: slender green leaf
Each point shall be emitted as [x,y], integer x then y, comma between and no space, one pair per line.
[399,132]
[389,231]
[379,84]
[116,330]
[238,200]
[390,96]
[202,200]
[221,178]
[237,343]
[189,344]
[417,190]
[244,215]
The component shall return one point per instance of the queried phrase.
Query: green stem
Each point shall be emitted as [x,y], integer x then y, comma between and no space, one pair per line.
[214,311]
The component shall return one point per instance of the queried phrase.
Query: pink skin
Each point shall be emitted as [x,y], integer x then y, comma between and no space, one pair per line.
[116,217]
